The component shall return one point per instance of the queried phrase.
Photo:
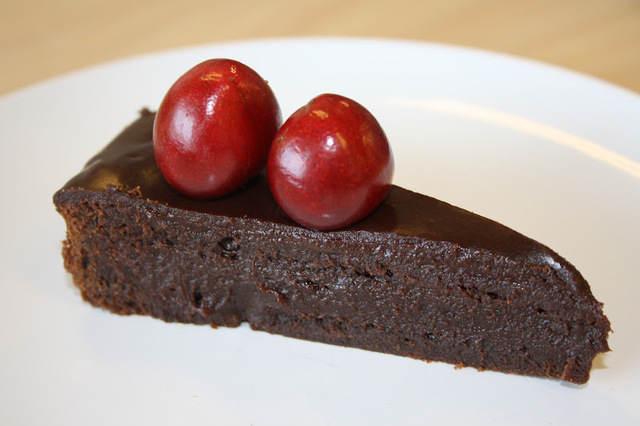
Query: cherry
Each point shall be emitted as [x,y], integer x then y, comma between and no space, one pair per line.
[330,164]
[214,127]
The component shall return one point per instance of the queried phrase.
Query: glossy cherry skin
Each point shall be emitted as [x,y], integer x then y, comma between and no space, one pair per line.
[214,128]
[330,164]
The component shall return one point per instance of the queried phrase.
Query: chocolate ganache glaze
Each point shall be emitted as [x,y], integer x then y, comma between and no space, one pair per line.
[128,162]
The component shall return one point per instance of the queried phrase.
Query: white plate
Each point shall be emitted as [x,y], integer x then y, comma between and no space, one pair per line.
[551,153]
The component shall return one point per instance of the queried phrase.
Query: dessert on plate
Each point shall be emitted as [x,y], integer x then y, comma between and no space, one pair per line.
[414,277]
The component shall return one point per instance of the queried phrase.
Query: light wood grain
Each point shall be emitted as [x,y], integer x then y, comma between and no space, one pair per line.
[42,39]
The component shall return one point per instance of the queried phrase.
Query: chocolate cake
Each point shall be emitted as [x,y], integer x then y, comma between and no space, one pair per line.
[418,278]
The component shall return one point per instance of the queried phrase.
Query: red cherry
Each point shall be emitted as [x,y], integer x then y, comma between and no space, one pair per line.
[330,164]
[214,128]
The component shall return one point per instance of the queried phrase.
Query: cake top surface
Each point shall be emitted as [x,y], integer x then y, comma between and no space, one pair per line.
[128,162]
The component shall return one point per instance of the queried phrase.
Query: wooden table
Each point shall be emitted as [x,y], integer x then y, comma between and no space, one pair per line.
[42,39]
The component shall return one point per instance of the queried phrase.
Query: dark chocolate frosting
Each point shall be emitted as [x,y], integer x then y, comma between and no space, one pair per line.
[128,162]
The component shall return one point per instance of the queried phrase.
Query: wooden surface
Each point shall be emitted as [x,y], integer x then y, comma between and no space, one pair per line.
[42,39]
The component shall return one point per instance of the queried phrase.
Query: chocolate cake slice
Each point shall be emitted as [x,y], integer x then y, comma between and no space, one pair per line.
[418,278]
